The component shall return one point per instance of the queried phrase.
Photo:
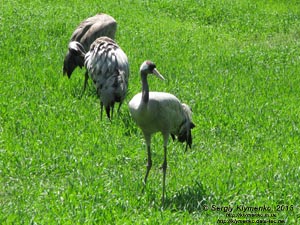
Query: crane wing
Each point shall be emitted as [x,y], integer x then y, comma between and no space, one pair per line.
[108,67]
[93,27]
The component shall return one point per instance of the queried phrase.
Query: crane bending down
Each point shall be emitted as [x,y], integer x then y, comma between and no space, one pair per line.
[86,33]
[160,112]
[108,67]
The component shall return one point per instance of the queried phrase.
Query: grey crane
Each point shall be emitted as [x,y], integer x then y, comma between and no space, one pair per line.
[160,112]
[86,33]
[108,67]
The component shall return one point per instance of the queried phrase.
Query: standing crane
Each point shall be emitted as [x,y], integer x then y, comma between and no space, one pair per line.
[86,33]
[160,112]
[108,67]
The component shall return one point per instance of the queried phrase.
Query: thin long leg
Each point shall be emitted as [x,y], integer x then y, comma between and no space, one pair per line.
[119,107]
[86,77]
[149,164]
[164,168]
[101,110]
[149,161]
[107,109]
[112,110]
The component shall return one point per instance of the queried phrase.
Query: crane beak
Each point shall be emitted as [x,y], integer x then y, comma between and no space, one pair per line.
[156,73]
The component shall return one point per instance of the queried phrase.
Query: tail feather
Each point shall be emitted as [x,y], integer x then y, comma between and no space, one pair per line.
[185,134]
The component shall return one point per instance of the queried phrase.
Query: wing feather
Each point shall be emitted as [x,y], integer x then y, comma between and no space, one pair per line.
[93,27]
[108,66]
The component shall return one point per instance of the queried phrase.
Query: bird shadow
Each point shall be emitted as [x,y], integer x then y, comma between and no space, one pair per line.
[188,198]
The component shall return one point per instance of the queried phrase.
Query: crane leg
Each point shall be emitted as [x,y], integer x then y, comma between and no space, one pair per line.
[164,168]
[149,165]
[119,108]
[101,110]
[107,109]
[86,77]
[112,110]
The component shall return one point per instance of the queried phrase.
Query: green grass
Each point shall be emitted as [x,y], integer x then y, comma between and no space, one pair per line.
[236,63]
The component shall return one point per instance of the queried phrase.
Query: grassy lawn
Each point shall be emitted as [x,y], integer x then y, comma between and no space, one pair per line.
[236,63]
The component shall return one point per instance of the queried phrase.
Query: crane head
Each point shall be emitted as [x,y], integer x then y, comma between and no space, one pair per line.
[74,58]
[148,67]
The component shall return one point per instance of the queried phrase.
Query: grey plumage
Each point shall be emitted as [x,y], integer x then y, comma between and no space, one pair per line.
[160,112]
[108,67]
[86,33]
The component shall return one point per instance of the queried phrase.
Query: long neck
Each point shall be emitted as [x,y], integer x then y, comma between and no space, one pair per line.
[145,88]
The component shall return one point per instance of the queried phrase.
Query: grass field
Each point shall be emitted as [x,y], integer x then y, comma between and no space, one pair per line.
[236,63]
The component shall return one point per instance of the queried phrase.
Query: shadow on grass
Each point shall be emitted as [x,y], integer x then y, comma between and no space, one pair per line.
[188,198]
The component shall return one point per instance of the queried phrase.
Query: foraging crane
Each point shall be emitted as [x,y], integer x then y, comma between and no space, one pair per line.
[108,67]
[86,33]
[160,112]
